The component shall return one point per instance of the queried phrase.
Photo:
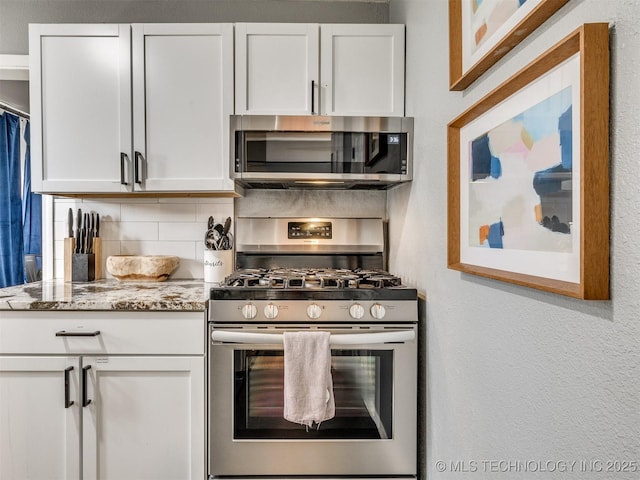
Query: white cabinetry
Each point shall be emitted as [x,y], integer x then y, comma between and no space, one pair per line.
[277,68]
[362,69]
[122,108]
[137,389]
[182,100]
[326,69]
[39,437]
[145,419]
[80,97]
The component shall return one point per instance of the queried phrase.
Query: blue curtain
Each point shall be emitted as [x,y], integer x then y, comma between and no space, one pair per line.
[11,247]
[31,210]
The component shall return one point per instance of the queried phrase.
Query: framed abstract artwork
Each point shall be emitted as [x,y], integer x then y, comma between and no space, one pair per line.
[481,32]
[528,174]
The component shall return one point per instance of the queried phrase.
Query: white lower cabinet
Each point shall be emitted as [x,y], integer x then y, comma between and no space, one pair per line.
[39,437]
[144,418]
[99,416]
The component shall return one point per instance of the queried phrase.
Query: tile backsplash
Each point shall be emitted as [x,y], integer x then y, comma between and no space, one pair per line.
[146,226]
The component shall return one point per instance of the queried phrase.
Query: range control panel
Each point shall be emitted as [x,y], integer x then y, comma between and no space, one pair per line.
[305,230]
[352,311]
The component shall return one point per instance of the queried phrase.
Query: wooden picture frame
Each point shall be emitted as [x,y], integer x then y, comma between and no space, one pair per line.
[536,252]
[465,64]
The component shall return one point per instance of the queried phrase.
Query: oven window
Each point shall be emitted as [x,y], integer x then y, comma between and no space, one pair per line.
[362,387]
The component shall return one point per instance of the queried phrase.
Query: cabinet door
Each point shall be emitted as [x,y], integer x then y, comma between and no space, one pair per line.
[277,68]
[362,70]
[80,88]
[145,419]
[39,437]
[183,96]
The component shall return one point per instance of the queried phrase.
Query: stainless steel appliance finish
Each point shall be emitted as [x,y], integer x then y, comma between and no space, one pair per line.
[323,152]
[386,447]
[306,235]
[372,319]
[346,243]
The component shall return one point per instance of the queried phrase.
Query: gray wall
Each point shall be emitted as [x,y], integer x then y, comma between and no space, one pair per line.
[515,374]
[15,15]
[15,93]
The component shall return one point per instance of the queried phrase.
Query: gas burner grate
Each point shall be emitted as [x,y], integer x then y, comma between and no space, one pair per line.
[300,278]
[245,278]
[323,280]
[273,281]
[380,281]
[295,281]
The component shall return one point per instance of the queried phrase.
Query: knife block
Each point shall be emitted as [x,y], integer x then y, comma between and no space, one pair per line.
[83,267]
[96,260]
[97,251]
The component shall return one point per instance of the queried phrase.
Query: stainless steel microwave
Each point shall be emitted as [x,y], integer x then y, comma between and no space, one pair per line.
[321,152]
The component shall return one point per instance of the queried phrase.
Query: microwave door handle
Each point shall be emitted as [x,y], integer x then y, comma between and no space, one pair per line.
[397,336]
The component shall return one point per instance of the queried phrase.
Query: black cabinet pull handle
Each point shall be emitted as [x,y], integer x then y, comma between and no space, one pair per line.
[123,157]
[136,168]
[313,107]
[67,402]
[85,401]
[63,333]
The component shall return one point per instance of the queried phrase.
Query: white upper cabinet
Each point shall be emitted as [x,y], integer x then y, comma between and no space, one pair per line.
[311,69]
[80,96]
[145,107]
[87,138]
[277,68]
[182,100]
[362,70]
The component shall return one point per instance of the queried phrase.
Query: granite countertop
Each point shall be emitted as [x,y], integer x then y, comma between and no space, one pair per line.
[172,295]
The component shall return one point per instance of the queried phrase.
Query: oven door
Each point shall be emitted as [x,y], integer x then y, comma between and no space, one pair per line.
[374,429]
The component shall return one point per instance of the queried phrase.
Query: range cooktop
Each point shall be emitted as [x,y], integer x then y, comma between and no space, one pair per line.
[304,284]
[292,278]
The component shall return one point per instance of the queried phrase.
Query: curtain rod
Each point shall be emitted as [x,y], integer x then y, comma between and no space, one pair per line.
[14,110]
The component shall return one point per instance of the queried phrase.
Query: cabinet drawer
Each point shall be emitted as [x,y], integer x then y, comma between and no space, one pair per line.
[154,333]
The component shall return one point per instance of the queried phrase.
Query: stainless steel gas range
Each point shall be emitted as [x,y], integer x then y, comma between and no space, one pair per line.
[372,319]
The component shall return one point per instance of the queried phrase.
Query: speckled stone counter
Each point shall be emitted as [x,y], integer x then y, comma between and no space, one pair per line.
[173,295]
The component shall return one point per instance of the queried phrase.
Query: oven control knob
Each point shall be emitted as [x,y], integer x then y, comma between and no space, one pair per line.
[356,311]
[377,311]
[249,311]
[271,311]
[314,311]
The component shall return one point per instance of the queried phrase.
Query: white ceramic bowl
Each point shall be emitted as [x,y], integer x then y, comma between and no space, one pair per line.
[142,268]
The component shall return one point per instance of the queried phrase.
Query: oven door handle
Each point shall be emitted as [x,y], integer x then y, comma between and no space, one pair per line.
[397,336]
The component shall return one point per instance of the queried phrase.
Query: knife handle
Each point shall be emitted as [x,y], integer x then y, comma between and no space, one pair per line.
[70,223]
[78,229]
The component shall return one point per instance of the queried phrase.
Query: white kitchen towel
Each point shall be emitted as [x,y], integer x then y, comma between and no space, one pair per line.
[308,387]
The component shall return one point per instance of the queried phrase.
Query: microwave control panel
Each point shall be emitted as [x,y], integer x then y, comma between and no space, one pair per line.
[305,230]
